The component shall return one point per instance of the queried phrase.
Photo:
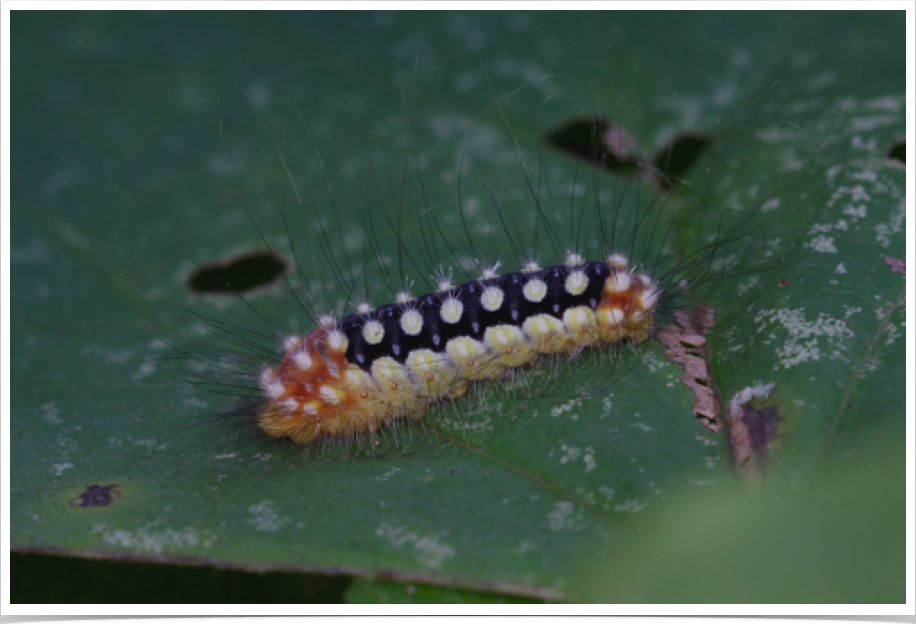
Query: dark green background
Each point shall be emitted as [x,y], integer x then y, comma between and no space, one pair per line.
[119,179]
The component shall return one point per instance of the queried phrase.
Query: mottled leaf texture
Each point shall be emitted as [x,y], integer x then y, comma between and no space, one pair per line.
[144,146]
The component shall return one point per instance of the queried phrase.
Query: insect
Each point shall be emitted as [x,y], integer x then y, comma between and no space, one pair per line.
[361,371]
[359,374]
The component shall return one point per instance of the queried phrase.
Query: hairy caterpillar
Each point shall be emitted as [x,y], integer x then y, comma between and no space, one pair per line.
[374,357]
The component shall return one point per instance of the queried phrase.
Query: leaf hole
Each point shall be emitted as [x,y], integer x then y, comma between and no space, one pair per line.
[239,274]
[897,153]
[672,161]
[599,141]
[608,145]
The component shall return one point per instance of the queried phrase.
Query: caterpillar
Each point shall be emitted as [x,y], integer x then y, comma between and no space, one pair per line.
[362,370]
[358,374]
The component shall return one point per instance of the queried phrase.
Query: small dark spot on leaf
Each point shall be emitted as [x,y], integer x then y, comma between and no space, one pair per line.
[897,153]
[782,283]
[674,159]
[97,496]
[238,274]
[453,471]
[598,140]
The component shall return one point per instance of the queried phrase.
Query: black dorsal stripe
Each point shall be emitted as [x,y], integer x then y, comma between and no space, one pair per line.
[475,319]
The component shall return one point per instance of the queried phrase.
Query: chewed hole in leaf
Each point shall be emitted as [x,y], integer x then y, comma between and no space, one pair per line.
[599,141]
[608,145]
[897,153]
[239,274]
[672,161]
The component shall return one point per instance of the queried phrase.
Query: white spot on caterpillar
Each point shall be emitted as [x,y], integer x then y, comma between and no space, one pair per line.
[612,316]
[403,297]
[492,298]
[451,311]
[574,259]
[411,322]
[535,290]
[291,342]
[264,517]
[576,282]
[618,261]
[428,550]
[490,272]
[619,281]
[358,378]
[326,320]
[303,360]
[648,298]
[464,348]
[271,386]
[444,283]
[329,394]
[373,332]
[337,340]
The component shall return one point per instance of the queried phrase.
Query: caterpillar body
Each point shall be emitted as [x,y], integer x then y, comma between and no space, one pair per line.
[358,374]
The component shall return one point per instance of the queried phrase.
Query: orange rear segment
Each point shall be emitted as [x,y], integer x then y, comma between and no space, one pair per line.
[626,306]
[315,393]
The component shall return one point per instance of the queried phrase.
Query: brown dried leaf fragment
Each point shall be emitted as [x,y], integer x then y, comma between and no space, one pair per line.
[751,431]
[685,339]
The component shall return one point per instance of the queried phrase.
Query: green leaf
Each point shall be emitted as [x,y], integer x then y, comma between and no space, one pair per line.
[122,185]
[834,540]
